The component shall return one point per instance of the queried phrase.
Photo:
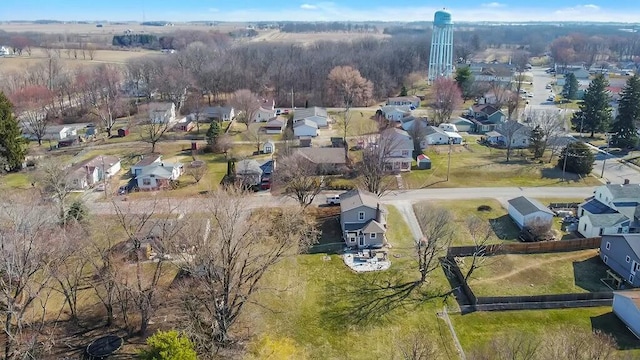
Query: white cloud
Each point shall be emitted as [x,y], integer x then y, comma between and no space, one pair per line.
[493,5]
[308,7]
[592,6]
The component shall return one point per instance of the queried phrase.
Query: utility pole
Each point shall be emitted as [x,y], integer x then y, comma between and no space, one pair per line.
[292,99]
[564,166]
[606,153]
[449,158]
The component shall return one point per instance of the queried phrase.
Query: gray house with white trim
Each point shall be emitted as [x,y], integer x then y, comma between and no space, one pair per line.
[621,253]
[362,219]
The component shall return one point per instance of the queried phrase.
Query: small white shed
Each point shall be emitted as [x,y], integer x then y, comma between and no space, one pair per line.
[268,147]
[524,211]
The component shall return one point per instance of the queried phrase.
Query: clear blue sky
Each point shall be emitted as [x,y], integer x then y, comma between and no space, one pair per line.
[358,10]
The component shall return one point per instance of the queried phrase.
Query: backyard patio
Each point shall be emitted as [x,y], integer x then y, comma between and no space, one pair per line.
[366,260]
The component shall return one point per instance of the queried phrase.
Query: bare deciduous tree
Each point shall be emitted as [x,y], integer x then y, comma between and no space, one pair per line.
[435,223]
[246,105]
[417,346]
[153,132]
[481,234]
[375,165]
[24,260]
[509,130]
[197,172]
[299,179]
[229,260]
[256,136]
[104,95]
[54,180]
[445,99]
[550,124]
[33,105]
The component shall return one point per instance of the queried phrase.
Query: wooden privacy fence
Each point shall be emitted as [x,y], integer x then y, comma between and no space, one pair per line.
[526,248]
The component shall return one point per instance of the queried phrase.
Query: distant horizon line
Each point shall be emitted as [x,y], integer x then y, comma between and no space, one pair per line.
[45,21]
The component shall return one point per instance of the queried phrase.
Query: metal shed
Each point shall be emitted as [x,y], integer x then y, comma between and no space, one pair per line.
[424,163]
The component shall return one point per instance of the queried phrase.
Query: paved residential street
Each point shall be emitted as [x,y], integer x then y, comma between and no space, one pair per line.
[398,198]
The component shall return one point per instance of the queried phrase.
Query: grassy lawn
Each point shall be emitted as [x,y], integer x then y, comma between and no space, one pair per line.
[361,123]
[480,166]
[535,274]
[480,328]
[316,314]
[20,180]
[503,227]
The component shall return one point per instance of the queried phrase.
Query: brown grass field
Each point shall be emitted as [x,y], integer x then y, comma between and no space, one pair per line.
[308,38]
[17,63]
[112,29]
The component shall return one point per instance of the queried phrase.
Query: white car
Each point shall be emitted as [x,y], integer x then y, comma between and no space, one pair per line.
[333,199]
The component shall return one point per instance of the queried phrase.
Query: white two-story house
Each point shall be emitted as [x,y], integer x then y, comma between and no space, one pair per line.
[397,149]
[614,209]
[162,113]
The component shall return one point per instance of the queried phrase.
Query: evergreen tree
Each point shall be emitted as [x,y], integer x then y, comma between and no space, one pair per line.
[537,142]
[12,151]
[570,88]
[464,79]
[213,133]
[628,114]
[595,111]
[579,158]
[403,91]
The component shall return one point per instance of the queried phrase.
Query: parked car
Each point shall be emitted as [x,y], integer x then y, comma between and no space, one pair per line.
[333,199]
[548,86]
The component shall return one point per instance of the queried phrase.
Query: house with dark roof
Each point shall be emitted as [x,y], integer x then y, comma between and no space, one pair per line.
[315,114]
[621,253]
[614,209]
[626,306]
[525,211]
[276,125]
[485,117]
[362,219]
[327,161]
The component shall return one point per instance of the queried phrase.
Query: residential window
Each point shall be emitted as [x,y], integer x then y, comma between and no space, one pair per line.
[605,259]
[584,228]
[373,235]
[628,259]
[146,181]
[637,267]
[361,215]
[619,230]
[601,231]
[608,246]
[582,212]
[405,153]
[631,277]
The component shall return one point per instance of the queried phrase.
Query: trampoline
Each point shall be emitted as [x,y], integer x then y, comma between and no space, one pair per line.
[102,347]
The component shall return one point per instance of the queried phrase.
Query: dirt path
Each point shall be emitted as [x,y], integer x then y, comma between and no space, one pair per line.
[571,256]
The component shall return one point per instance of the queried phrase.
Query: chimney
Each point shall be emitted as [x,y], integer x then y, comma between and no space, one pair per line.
[626,182]
[378,214]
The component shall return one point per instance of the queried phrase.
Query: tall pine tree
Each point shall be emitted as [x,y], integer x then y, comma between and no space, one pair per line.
[570,88]
[12,150]
[464,79]
[595,110]
[628,114]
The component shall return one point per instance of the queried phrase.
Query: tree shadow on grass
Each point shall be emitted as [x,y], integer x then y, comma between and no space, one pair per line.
[587,274]
[610,324]
[372,298]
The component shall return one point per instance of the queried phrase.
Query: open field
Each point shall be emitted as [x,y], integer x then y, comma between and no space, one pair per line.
[38,56]
[309,38]
[114,29]
[480,328]
[540,274]
[478,165]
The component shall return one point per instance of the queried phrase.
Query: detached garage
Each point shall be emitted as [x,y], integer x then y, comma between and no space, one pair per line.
[524,211]
[626,305]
